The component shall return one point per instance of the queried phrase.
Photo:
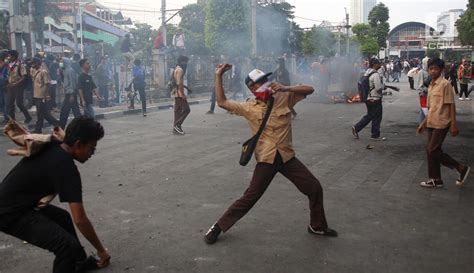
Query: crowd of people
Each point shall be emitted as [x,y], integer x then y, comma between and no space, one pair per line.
[268,114]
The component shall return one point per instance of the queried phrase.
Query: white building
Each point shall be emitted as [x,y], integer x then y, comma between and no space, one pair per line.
[446,24]
[359,10]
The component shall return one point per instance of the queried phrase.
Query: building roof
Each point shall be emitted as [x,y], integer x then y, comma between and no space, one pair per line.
[410,24]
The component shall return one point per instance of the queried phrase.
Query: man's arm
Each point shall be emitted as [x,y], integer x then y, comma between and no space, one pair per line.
[219,88]
[303,90]
[85,227]
[180,82]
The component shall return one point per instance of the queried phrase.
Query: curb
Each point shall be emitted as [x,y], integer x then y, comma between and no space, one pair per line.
[151,109]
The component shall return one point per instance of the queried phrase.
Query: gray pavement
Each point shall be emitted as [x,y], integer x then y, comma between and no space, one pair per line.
[152,195]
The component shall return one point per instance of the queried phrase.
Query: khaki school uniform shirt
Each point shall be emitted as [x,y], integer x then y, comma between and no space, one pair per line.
[16,73]
[276,136]
[440,98]
[178,75]
[41,80]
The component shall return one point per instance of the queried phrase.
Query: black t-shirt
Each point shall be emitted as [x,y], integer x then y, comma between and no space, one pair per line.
[86,83]
[52,171]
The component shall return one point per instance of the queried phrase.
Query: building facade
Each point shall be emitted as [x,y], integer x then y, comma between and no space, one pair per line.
[446,23]
[409,40]
[360,9]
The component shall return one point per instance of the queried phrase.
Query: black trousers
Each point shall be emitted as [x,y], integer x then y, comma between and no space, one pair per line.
[463,90]
[412,82]
[16,95]
[142,93]
[50,228]
[43,111]
[454,83]
[52,92]
[374,115]
[263,175]
[70,103]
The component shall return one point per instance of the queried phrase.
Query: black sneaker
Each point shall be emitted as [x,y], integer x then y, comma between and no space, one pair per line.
[322,231]
[212,234]
[178,131]
[210,112]
[432,183]
[88,264]
[463,176]
[354,133]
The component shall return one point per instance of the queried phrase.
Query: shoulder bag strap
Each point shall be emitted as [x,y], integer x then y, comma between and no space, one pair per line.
[265,118]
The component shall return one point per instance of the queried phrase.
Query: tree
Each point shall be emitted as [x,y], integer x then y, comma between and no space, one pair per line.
[227,27]
[274,28]
[378,21]
[465,25]
[143,35]
[193,18]
[368,44]
[319,42]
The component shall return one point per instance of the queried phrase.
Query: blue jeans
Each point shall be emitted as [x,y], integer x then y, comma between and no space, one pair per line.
[89,110]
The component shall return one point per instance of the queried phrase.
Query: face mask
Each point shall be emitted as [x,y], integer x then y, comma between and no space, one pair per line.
[61,65]
[264,92]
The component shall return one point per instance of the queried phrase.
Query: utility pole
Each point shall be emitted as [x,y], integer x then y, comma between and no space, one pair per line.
[31,20]
[74,23]
[15,32]
[348,27]
[254,27]
[163,20]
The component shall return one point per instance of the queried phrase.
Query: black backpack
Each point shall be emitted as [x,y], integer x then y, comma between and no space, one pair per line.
[364,86]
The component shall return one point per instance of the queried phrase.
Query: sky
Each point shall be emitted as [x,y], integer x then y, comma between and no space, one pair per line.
[308,12]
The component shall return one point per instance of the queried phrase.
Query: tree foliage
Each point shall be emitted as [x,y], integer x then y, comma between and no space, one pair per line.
[274,28]
[364,35]
[465,25]
[319,42]
[378,21]
[227,28]
[193,18]
[143,35]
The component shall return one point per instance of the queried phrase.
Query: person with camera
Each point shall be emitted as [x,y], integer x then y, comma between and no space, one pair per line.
[274,152]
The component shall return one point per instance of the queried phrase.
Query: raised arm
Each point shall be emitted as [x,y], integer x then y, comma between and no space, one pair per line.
[219,88]
[303,90]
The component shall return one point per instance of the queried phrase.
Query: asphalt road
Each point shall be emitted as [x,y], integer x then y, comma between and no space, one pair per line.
[152,195]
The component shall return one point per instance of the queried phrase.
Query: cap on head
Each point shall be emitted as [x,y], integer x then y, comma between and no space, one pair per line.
[256,76]
[36,60]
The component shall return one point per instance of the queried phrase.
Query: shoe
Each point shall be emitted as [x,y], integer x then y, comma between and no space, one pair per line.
[378,138]
[178,131]
[432,183]
[88,264]
[354,133]
[144,114]
[210,112]
[467,99]
[212,234]
[463,176]
[322,231]
[461,98]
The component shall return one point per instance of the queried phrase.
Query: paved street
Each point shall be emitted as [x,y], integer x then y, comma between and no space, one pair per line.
[152,195]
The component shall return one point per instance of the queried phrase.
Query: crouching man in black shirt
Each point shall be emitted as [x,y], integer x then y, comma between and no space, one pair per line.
[53,171]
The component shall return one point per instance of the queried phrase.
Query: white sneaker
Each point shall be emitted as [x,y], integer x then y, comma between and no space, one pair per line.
[468,99]
[378,138]
[461,98]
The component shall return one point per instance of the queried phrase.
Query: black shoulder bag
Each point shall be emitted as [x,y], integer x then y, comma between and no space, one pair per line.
[249,146]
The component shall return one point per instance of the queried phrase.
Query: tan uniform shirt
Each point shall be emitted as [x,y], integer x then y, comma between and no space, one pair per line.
[41,80]
[178,76]
[277,134]
[15,76]
[440,98]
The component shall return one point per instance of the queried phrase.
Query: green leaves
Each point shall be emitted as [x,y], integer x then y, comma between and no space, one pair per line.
[373,36]
[465,25]
[319,42]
